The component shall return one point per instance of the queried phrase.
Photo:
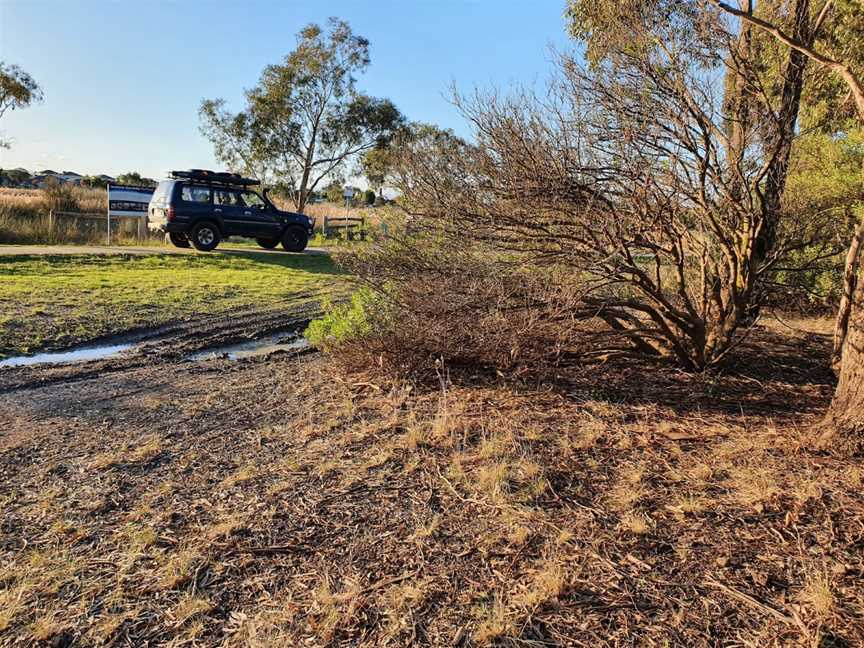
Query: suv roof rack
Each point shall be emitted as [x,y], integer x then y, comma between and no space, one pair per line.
[215,177]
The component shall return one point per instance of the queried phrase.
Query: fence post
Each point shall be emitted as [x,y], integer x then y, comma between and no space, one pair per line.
[108,212]
[50,221]
[324,227]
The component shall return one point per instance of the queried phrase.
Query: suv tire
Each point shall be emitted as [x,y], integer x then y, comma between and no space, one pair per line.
[205,236]
[294,239]
[179,240]
[267,243]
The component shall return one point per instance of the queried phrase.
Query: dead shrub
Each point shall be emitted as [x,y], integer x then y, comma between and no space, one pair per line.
[608,216]
[454,309]
[59,197]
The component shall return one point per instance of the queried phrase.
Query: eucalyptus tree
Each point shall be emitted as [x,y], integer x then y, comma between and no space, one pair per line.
[17,90]
[843,56]
[306,117]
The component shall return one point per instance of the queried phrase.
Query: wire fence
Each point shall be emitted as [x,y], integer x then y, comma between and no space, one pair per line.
[73,225]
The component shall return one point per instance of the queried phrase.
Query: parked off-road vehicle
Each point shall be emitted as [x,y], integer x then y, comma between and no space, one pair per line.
[200,208]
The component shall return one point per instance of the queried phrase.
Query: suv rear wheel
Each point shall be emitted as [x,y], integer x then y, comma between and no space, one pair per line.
[179,240]
[205,236]
[294,239]
[267,243]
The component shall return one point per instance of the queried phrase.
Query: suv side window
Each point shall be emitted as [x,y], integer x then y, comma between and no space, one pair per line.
[226,197]
[195,194]
[162,195]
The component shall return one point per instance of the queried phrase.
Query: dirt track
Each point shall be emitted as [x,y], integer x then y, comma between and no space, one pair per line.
[156,348]
[152,500]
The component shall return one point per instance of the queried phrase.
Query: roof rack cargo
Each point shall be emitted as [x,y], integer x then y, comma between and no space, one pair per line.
[214,177]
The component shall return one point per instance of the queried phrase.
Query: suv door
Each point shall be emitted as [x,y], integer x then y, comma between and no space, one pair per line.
[227,204]
[195,203]
[260,215]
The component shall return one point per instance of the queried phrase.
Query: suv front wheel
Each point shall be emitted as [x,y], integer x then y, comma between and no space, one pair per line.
[205,236]
[294,239]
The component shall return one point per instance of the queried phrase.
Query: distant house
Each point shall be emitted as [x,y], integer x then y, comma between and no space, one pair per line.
[69,177]
[21,177]
[14,177]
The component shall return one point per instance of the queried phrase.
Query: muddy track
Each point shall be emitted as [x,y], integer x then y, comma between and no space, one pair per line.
[170,343]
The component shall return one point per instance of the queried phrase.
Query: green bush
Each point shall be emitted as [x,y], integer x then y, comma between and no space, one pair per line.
[341,323]
[334,193]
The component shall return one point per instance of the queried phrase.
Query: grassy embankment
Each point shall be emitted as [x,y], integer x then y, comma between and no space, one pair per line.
[53,301]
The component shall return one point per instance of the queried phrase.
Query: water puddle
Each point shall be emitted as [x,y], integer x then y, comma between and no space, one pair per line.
[81,354]
[254,348]
[260,347]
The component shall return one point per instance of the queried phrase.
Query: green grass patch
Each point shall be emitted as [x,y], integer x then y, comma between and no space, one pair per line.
[345,322]
[51,302]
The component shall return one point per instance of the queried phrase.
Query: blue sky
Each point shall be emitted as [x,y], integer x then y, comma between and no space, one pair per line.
[123,81]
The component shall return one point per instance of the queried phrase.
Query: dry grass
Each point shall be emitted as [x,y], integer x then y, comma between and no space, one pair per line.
[85,198]
[24,216]
[817,595]
[322,508]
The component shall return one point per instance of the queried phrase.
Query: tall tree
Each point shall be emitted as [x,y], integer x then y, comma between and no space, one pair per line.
[376,165]
[17,90]
[843,427]
[760,106]
[306,118]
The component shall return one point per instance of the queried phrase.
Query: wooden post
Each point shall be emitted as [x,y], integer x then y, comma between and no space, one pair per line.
[50,221]
[108,213]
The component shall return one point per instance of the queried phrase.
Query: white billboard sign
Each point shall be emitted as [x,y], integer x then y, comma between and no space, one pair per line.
[129,200]
[125,201]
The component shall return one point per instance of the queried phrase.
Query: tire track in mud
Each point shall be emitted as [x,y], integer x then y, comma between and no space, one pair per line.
[170,343]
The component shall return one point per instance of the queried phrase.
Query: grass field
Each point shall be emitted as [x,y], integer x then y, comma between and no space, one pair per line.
[53,301]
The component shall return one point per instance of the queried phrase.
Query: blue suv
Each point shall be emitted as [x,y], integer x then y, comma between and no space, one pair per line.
[200,208]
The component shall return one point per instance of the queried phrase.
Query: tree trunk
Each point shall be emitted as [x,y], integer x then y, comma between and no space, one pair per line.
[737,101]
[775,180]
[850,276]
[842,430]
